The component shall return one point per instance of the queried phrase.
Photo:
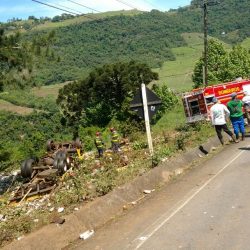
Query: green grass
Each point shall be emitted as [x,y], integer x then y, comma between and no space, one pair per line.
[51,90]
[7,106]
[170,120]
[246,43]
[75,20]
[178,74]
[81,19]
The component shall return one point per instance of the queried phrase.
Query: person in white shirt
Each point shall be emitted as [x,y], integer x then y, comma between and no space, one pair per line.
[219,112]
[246,103]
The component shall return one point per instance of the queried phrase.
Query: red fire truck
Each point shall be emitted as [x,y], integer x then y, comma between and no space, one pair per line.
[197,103]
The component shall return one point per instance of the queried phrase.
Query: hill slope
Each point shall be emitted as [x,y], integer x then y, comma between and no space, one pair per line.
[148,37]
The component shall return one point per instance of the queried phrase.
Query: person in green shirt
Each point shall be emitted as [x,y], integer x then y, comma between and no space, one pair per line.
[236,115]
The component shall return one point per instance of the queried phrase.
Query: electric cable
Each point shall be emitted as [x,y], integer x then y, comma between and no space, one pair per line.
[127,4]
[73,13]
[54,7]
[84,6]
[146,1]
[68,8]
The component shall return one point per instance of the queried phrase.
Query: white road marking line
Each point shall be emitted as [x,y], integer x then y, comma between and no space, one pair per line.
[148,236]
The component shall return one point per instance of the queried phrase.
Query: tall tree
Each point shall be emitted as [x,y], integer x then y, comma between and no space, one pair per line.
[223,66]
[104,94]
[15,60]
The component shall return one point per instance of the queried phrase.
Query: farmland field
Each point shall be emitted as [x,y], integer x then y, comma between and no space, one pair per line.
[7,106]
[51,90]
[177,74]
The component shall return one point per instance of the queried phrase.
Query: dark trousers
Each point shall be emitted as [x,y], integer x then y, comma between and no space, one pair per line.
[115,147]
[100,152]
[219,129]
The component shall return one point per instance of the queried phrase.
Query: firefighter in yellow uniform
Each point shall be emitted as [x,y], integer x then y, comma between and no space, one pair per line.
[99,144]
[115,142]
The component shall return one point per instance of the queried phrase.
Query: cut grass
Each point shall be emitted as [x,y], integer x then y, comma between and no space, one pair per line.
[246,43]
[51,90]
[178,74]
[7,106]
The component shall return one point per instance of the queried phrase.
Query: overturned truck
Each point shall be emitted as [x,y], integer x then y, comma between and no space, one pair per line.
[41,174]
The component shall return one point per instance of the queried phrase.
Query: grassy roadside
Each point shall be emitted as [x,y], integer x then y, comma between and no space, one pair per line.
[171,136]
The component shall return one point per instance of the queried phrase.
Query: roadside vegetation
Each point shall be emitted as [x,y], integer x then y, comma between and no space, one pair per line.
[152,48]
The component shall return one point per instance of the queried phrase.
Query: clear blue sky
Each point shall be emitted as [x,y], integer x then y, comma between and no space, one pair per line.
[24,8]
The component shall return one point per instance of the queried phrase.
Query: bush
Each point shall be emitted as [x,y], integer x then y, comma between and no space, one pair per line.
[137,145]
[168,98]
[180,142]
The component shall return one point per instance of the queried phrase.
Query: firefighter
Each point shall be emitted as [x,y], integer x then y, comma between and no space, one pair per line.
[236,115]
[99,144]
[219,113]
[246,103]
[115,144]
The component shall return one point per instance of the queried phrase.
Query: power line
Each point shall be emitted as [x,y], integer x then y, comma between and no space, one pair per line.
[84,6]
[52,6]
[151,4]
[127,4]
[69,8]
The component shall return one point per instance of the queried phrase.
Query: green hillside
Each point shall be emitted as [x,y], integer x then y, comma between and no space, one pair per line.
[82,44]
[246,43]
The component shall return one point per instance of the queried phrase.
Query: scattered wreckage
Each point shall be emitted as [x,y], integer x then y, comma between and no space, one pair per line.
[41,175]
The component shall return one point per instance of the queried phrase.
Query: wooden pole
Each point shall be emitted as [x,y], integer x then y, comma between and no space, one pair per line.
[146,118]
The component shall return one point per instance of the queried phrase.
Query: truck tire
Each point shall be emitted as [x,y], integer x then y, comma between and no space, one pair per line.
[78,143]
[62,166]
[27,168]
[61,161]
[48,161]
[61,155]
[55,163]
[50,145]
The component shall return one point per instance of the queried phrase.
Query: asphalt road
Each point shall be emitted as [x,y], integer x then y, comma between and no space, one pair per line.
[207,208]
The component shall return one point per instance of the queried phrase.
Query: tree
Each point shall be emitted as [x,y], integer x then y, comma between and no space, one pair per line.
[168,98]
[104,94]
[223,66]
[14,60]
[17,58]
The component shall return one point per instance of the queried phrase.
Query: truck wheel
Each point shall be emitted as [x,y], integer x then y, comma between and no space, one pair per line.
[50,145]
[55,163]
[78,143]
[48,161]
[27,168]
[62,166]
[61,155]
[68,161]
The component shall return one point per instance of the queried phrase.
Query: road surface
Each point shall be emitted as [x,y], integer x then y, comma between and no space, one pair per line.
[207,208]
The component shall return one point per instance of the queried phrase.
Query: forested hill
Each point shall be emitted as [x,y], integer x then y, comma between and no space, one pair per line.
[228,17]
[146,37]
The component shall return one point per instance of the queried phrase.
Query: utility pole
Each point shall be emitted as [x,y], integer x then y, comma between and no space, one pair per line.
[146,118]
[205,41]
[205,10]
